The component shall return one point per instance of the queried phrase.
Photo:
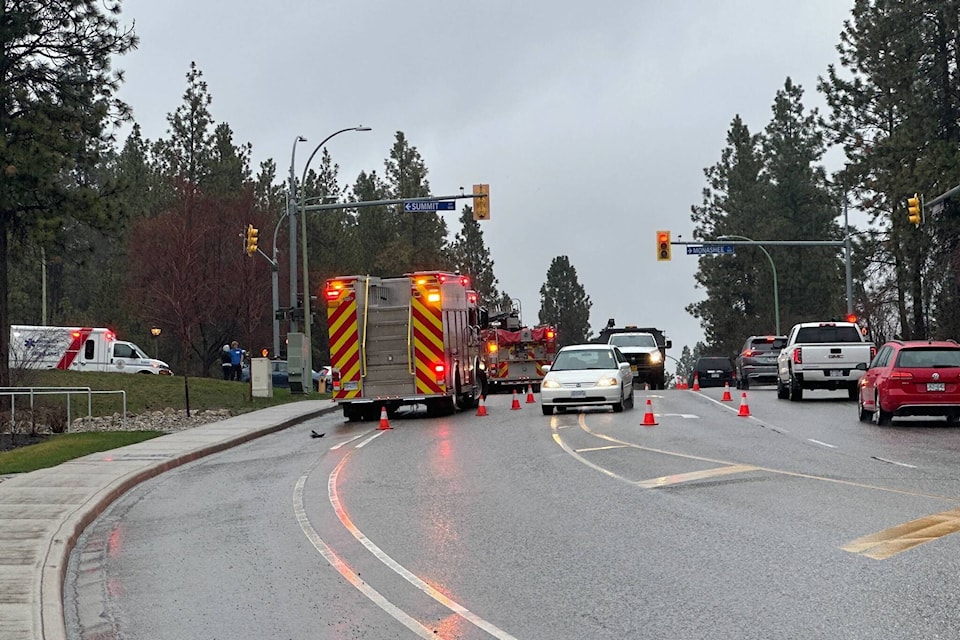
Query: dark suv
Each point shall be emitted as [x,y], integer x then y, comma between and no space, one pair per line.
[757,360]
[713,371]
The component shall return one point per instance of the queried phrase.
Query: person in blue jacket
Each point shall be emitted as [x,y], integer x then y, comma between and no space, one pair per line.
[236,359]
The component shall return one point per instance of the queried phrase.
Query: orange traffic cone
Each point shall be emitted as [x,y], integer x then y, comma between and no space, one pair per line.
[384,423]
[516,401]
[726,393]
[744,407]
[481,408]
[648,418]
[696,382]
[530,397]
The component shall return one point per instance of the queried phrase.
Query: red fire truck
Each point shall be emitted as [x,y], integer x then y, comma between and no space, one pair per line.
[407,340]
[514,355]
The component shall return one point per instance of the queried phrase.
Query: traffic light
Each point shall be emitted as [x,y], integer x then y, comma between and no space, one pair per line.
[481,206]
[252,233]
[914,210]
[663,246]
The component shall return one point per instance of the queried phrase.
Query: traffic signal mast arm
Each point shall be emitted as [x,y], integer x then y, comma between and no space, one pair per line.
[332,206]
[782,243]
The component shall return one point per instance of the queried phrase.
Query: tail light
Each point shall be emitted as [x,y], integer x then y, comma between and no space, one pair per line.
[433,295]
[901,376]
[438,369]
[797,356]
[472,297]
[551,334]
[331,293]
[749,353]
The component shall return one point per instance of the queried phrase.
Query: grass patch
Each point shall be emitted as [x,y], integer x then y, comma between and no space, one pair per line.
[66,446]
[144,393]
[151,393]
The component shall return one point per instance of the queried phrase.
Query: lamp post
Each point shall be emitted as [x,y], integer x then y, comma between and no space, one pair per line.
[308,369]
[773,267]
[156,341]
[292,213]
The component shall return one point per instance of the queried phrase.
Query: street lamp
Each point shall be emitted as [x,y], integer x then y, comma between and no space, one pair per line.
[308,369]
[292,213]
[773,267]
[156,341]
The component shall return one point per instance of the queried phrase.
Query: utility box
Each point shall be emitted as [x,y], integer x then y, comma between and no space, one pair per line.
[261,378]
[301,380]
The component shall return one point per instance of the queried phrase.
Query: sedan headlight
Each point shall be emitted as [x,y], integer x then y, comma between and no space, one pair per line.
[607,382]
[550,384]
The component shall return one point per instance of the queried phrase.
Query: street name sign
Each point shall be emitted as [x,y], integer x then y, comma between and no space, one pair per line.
[710,250]
[429,205]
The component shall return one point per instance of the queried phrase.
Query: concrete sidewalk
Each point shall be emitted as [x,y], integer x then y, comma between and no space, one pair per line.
[43,513]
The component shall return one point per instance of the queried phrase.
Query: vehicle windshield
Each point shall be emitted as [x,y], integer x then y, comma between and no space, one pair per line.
[935,358]
[633,340]
[584,359]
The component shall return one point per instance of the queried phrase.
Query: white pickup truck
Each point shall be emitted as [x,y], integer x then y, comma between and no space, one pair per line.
[822,355]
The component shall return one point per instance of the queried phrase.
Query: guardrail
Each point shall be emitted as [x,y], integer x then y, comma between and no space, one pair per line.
[33,392]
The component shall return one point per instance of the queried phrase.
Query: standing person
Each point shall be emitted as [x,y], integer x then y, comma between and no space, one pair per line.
[226,362]
[236,359]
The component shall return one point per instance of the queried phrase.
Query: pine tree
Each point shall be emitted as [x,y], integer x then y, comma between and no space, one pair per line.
[471,256]
[421,238]
[739,287]
[800,206]
[564,303]
[57,94]
[895,111]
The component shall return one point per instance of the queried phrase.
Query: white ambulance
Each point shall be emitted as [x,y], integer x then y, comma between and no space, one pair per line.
[78,349]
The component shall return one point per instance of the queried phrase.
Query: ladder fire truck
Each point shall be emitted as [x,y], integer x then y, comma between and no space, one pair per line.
[514,355]
[408,340]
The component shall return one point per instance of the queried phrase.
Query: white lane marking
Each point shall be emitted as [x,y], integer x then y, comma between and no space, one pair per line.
[343,444]
[899,464]
[824,444]
[370,439]
[399,569]
[349,574]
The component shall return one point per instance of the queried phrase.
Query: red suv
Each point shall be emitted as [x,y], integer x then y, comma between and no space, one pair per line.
[913,378]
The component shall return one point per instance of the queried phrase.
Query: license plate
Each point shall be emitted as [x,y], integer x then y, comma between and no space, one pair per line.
[935,386]
[578,394]
[714,375]
[834,373]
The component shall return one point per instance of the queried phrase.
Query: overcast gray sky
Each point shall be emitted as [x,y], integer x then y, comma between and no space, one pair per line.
[591,122]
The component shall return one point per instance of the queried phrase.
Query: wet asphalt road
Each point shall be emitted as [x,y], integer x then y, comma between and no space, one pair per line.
[518,525]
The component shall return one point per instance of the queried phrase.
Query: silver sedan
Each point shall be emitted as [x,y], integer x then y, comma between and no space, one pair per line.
[587,374]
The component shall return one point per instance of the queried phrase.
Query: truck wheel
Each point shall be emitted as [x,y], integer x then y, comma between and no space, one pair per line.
[795,390]
[782,393]
[350,413]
